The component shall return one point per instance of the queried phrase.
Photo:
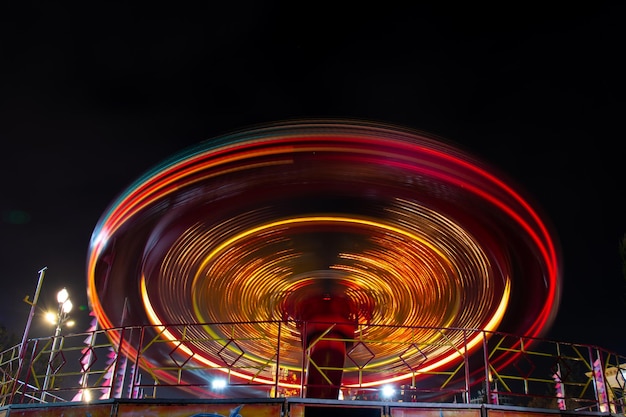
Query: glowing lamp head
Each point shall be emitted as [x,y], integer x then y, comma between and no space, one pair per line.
[62,296]
[51,317]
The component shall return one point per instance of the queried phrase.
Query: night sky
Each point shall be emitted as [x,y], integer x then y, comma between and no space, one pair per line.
[91,97]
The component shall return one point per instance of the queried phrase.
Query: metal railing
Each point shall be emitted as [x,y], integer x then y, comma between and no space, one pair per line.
[184,360]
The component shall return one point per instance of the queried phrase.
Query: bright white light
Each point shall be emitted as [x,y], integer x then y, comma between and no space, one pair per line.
[67,306]
[388,391]
[218,383]
[51,317]
[86,396]
[62,296]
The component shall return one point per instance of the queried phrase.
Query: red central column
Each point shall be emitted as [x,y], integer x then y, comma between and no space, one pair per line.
[327,323]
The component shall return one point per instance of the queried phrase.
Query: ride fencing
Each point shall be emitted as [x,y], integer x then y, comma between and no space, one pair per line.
[186,360]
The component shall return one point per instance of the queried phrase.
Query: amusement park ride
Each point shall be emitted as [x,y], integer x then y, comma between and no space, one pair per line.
[325,260]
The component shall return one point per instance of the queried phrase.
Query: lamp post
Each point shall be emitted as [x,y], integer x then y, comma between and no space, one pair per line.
[61,317]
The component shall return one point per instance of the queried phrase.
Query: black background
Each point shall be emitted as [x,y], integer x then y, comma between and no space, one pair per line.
[92,95]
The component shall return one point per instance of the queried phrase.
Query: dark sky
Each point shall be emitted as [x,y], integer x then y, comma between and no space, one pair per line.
[93,96]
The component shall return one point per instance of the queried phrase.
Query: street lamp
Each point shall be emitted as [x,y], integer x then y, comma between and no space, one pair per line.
[60,318]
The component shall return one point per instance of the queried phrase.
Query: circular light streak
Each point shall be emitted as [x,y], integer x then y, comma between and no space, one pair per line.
[255,227]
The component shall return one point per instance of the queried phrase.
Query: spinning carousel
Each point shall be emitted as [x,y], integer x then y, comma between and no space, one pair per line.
[341,229]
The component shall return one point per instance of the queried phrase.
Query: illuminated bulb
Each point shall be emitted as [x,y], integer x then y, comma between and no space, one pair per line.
[86,396]
[51,317]
[218,383]
[388,391]
[62,296]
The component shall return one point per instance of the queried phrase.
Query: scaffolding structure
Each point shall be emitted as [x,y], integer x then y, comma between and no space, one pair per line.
[129,363]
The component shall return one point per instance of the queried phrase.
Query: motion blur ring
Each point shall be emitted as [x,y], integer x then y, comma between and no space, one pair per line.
[275,222]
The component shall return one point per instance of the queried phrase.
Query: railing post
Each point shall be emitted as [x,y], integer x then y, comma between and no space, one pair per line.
[600,383]
[87,364]
[276,378]
[136,375]
[487,371]
[304,363]
[118,356]
[467,368]
[559,383]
